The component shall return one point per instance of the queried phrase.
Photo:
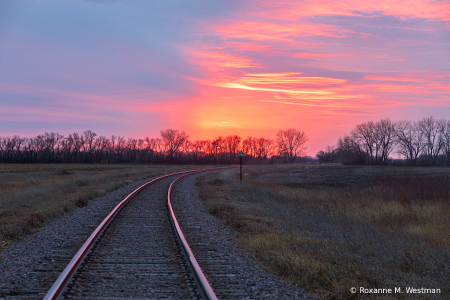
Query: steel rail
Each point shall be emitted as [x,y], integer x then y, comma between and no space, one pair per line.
[199,277]
[61,284]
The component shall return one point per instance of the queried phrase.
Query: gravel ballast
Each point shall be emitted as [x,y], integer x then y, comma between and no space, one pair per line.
[29,268]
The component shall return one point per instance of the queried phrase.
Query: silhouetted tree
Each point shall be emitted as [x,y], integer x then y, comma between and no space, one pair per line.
[364,134]
[432,130]
[173,140]
[409,140]
[385,137]
[291,142]
[328,156]
[249,146]
[173,146]
[89,139]
[264,148]
[231,144]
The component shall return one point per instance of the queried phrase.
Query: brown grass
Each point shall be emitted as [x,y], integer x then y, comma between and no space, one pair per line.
[31,194]
[330,228]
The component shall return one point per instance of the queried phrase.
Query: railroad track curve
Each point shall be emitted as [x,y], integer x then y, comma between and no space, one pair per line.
[146,259]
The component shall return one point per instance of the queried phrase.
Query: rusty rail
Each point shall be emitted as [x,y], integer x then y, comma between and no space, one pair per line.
[61,284]
[199,277]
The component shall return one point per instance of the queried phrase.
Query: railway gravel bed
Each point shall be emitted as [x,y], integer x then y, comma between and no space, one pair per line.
[138,256]
[29,269]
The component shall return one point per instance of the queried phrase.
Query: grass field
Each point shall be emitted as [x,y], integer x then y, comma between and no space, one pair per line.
[31,194]
[328,228]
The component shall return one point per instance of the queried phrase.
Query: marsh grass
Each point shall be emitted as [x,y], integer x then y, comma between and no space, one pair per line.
[33,194]
[330,228]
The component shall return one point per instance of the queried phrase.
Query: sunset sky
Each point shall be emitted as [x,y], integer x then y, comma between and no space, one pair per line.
[211,68]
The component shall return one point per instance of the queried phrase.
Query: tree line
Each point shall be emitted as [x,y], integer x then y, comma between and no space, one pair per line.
[172,146]
[425,142]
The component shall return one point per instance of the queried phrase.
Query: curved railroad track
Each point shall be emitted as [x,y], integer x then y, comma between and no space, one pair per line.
[138,252]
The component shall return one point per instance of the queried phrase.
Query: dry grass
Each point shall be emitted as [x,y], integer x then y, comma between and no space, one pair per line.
[31,194]
[330,228]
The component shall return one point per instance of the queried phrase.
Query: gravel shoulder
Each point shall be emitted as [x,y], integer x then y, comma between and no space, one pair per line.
[198,225]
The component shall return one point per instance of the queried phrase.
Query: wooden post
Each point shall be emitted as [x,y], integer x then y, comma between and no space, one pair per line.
[241,155]
[240,159]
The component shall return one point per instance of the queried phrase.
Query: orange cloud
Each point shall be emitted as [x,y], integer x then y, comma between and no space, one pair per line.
[328,105]
[287,79]
[292,9]
[221,60]
[287,82]
[315,55]
[286,31]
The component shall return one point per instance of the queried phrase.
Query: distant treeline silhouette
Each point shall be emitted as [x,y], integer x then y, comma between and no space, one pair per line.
[173,146]
[426,142]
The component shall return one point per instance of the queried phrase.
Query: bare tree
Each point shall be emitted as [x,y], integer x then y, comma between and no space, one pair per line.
[328,156]
[410,140]
[231,144]
[249,146]
[159,146]
[446,138]
[432,130]
[385,132]
[120,148]
[149,149]
[10,148]
[350,151]
[199,148]
[265,148]
[187,149]
[291,141]
[102,143]
[217,146]
[66,148]
[209,148]
[58,143]
[364,134]
[78,146]
[89,144]
[49,151]
[131,148]
[173,140]
[40,144]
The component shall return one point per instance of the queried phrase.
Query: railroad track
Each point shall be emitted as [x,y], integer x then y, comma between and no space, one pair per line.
[138,252]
